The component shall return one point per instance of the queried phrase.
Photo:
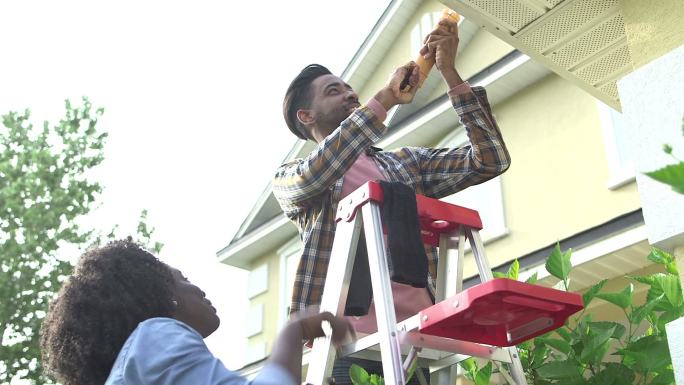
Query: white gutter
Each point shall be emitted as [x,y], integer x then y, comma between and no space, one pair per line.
[241,253]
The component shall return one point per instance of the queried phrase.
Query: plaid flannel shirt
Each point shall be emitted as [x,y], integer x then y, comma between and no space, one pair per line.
[308,189]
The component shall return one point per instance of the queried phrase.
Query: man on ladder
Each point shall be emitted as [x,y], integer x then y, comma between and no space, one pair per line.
[319,106]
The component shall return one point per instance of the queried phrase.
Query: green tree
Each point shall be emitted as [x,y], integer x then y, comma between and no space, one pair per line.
[44,190]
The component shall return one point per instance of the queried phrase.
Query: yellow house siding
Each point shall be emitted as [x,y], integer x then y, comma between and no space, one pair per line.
[653,28]
[557,183]
[487,49]
[269,299]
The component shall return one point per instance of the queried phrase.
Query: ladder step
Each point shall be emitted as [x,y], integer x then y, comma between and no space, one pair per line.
[500,312]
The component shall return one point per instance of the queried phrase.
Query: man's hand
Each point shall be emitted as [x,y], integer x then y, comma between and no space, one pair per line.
[392,94]
[312,326]
[441,45]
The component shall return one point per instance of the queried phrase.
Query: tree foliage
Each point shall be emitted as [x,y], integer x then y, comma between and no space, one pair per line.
[44,190]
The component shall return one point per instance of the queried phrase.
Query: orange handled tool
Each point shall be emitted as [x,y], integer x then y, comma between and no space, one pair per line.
[425,65]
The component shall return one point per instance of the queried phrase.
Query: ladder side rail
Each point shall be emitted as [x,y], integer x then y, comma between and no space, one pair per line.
[478,253]
[449,282]
[449,264]
[334,296]
[517,371]
[382,296]
[459,260]
[442,267]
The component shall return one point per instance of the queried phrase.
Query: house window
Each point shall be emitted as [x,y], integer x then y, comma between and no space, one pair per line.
[289,260]
[486,198]
[255,352]
[255,320]
[426,24]
[257,282]
[620,165]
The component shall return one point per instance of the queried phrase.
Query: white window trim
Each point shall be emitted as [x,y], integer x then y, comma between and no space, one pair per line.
[620,175]
[290,248]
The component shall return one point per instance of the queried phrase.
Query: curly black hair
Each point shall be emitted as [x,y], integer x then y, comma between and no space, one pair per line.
[113,289]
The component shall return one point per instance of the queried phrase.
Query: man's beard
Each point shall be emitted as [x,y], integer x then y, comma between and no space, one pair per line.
[335,118]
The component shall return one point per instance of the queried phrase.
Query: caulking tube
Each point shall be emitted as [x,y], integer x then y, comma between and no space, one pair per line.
[425,65]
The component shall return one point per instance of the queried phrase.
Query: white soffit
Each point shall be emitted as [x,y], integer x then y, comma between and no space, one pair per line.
[242,252]
[609,258]
[583,41]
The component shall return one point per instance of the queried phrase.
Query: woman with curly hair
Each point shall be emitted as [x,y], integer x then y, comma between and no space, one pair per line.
[125,317]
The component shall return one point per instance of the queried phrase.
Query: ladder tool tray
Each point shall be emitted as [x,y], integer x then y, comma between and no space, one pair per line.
[500,312]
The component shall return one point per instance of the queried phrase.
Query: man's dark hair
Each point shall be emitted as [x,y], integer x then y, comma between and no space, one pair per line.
[112,290]
[298,96]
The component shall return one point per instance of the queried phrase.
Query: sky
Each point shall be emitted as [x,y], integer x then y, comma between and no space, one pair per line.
[192,93]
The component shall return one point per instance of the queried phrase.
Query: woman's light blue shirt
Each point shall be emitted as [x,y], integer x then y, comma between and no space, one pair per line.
[164,351]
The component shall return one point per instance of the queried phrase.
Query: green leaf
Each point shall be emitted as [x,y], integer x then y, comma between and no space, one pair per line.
[513,270]
[618,329]
[665,377]
[483,375]
[558,263]
[666,317]
[470,366]
[571,381]
[358,375]
[641,312]
[671,286]
[672,175]
[589,295]
[498,274]
[645,279]
[533,279]
[560,345]
[559,370]
[622,299]
[376,380]
[539,355]
[596,343]
[564,333]
[664,258]
[648,353]
[654,291]
[613,374]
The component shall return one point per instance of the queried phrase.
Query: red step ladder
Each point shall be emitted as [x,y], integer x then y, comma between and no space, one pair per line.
[485,321]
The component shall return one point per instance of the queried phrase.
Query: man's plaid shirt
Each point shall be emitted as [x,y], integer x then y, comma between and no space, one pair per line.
[308,189]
